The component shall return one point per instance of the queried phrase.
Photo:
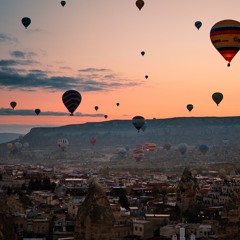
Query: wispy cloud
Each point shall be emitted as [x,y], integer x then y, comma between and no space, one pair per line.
[28,112]
[12,78]
[94,70]
[21,54]
[7,38]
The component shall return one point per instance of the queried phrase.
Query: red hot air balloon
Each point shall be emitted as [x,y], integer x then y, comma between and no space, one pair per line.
[71,99]
[225,37]
[26,21]
[13,104]
[139,4]
[93,140]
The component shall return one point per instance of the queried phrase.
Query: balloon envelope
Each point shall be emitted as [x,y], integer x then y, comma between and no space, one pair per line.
[63,3]
[26,21]
[225,37]
[198,24]
[203,148]
[139,4]
[146,76]
[106,116]
[142,53]
[93,140]
[96,108]
[37,111]
[63,143]
[217,97]
[71,99]
[13,104]
[138,122]
[117,104]
[182,147]
[190,107]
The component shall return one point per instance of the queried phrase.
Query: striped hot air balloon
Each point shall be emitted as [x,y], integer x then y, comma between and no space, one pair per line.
[225,37]
[71,99]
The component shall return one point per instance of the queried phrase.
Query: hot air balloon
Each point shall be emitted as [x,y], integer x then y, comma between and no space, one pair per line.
[198,24]
[190,107]
[71,99]
[26,21]
[182,147]
[106,116]
[62,143]
[139,4]
[225,37]
[37,111]
[146,76]
[203,148]
[217,97]
[93,140]
[138,153]
[142,53]
[167,146]
[96,108]
[117,104]
[150,147]
[13,104]
[63,3]
[138,122]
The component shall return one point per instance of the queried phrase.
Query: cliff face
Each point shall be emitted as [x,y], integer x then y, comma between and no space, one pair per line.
[95,219]
[7,231]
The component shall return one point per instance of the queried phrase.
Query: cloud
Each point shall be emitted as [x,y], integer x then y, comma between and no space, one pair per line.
[94,70]
[32,80]
[6,38]
[28,112]
[21,54]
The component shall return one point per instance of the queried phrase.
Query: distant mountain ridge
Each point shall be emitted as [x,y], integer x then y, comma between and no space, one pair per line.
[7,137]
[191,130]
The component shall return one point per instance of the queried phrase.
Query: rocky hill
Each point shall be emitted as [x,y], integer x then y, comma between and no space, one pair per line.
[193,131]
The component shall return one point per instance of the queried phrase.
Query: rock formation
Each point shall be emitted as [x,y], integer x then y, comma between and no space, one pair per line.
[186,190]
[95,219]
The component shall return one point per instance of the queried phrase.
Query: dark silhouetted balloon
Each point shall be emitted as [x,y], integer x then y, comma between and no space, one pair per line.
[198,24]
[63,3]
[146,76]
[225,37]
[13,104]
[139,4]
[203,148]
[71,99]
[26,21]
[37,111]
[142,53]
[190,107]
[106,116]
[96,108]
[167,146]
[117,104]
[138,122]
[217,97]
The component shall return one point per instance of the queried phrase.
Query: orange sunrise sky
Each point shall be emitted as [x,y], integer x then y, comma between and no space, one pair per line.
[95,46]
